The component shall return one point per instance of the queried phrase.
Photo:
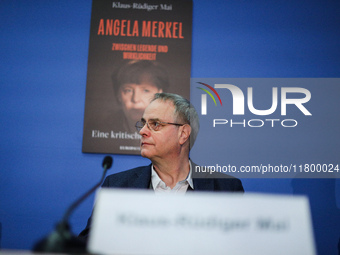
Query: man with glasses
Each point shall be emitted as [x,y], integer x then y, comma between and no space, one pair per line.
[169,127]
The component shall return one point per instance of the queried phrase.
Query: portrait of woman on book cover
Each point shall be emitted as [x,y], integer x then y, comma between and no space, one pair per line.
[134,85]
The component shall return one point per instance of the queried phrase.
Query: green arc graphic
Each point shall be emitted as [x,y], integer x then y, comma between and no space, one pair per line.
[208,94]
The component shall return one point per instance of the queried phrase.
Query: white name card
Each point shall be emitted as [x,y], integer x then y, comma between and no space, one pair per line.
[140,222]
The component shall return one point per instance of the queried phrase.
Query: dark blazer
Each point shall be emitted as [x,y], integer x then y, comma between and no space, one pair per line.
[140,178]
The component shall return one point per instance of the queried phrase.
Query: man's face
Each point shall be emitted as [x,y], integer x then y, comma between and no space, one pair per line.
[135,98]
[164,142]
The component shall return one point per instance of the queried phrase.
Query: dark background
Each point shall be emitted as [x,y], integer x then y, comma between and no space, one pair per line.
[44,52]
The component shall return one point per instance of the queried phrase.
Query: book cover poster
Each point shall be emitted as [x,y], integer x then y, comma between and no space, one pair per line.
[136,49]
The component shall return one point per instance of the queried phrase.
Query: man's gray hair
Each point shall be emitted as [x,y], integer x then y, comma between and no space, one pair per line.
[184,112]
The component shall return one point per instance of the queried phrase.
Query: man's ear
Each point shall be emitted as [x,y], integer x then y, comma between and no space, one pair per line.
[184,134]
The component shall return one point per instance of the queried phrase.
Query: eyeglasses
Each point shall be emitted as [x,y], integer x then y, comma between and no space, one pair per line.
[153,124]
